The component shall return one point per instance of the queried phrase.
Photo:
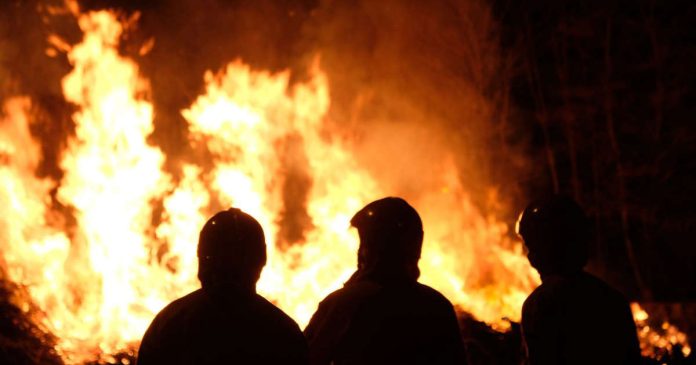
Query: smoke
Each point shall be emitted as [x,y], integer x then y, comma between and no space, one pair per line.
[414,85]
[26,65]
[30,66]
[294,220]
[418,95]
[191,37]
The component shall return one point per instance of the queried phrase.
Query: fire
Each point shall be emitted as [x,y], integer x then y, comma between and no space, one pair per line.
[130,248]
[256,132]
[112,175]
[657,342]
[100,280]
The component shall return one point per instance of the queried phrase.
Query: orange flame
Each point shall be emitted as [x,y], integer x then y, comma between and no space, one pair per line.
[100,281]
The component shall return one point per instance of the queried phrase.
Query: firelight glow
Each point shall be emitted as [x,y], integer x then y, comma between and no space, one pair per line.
[99,281]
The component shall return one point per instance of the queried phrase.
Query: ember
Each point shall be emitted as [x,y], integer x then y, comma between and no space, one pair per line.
[661,342]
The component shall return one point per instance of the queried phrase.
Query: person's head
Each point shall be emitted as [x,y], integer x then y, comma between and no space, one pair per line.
[391,237]
[231,250]
[555,231]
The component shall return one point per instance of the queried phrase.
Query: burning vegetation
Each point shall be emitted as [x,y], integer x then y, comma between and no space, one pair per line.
[91,253]
[100,280]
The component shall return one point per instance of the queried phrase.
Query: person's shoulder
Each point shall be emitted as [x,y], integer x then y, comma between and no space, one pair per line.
[557,291]
[337,294]
[542,291]
[171,316]
[269,308]
[430,295]
[180,305]
[545,298]
[596,282]
[605,291]
[354,292]
[532,299]
[559,288]
[193,297]
[332,300]
[275,314]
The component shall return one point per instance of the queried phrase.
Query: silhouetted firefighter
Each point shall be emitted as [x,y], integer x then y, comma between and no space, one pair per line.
[572,317]
[382,315]
[225,321]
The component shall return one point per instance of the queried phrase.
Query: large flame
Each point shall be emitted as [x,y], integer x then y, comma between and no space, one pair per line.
[100,280]
[130,245]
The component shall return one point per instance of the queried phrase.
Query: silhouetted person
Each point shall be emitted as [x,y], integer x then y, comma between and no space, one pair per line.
[572,317]
[225,322]
[382,315]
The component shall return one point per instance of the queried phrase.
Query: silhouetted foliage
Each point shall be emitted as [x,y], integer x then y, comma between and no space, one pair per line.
[608,88]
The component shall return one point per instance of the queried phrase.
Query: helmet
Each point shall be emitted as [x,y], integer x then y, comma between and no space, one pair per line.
[555,231]
[231,244]
[390,226]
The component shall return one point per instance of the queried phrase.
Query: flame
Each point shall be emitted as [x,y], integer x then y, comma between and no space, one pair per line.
[33,252]
[659,341]
[126,244]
